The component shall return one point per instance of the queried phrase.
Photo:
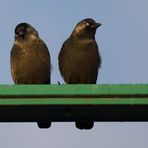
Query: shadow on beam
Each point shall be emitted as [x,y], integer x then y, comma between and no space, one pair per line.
[73,113]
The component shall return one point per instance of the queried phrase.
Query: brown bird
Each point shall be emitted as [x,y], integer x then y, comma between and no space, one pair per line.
[30,58]
[79,58]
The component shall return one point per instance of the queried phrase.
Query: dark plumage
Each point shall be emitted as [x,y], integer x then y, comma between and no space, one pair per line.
[30,59]
[79,58]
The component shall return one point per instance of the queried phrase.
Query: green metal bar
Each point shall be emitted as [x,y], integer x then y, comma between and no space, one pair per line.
[77,101]
[74,94]
[102,89]
[44,103]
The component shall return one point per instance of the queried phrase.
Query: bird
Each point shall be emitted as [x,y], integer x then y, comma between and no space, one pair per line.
[79,58]
[30,59]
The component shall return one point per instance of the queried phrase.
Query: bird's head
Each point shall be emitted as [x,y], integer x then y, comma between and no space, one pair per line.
[86,28]
[24,30]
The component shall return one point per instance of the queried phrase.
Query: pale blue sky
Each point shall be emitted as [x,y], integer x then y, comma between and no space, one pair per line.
[123,43]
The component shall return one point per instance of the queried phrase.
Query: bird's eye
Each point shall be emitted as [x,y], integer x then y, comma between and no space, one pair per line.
[87,24]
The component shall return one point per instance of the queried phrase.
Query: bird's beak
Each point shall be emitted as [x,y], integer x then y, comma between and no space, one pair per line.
[96,25]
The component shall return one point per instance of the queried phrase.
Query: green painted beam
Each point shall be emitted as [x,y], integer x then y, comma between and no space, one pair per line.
[104,102]
[74,94]
[100,89]
[73,101]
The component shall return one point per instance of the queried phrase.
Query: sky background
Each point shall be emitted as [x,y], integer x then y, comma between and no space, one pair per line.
[123,44]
